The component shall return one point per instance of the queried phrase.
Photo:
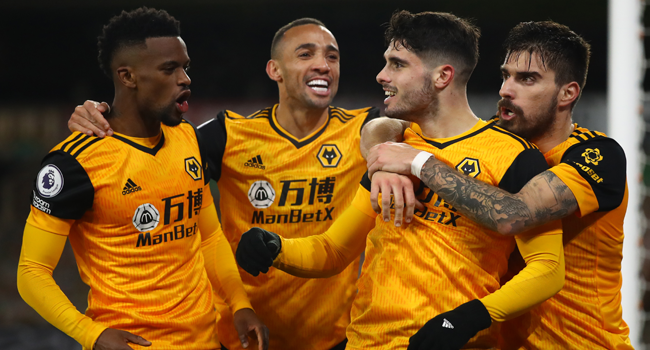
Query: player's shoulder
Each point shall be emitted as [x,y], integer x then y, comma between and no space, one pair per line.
[260,115]
[515,143]
[77,145]
[591,145]
[360,115]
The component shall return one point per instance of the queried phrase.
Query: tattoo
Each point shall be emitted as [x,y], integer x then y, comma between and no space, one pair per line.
[545,198]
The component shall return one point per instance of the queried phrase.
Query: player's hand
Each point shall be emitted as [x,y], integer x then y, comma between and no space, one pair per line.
[453,329]
[401,187]
[249,325]
[115,339]
[392,157]
[257,249]
[88,119]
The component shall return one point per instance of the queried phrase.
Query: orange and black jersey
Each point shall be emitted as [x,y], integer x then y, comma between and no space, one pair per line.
[130,212]
[297,188]
[587,312]
[421,269]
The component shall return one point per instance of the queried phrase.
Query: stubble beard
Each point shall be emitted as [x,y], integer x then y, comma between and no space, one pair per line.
[529,126]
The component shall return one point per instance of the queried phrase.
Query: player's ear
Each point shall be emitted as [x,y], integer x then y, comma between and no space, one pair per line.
[567,94]
[443,76]
[273,70]
[126,77]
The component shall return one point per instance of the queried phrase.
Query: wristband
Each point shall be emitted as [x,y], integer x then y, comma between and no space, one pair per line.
[418,163]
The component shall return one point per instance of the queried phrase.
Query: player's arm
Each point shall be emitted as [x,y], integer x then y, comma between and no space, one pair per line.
[39,256]
[88,119]
[316,256]
[544,198]
[542,278]
[380,130]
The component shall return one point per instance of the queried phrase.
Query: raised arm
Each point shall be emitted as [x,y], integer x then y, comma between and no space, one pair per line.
[543,199]
[381,130]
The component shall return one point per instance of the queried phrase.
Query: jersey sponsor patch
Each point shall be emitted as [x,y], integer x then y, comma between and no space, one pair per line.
[592,156]
[329,156]
[146,217]
[261,194]
[255,162]
[49,181]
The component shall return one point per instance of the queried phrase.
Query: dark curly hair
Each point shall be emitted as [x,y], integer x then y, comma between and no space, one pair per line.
[436,37]
[277,38]
[133,28]
[558,47]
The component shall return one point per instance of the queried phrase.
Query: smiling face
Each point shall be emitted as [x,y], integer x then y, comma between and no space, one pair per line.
[162,83]
[309,65]
[529,96]
[407,83]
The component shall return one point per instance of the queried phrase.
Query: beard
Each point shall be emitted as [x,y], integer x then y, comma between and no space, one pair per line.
[529,126]
[166,115]
[415,104]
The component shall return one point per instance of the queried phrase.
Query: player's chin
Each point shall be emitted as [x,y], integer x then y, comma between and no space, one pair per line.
[172,119]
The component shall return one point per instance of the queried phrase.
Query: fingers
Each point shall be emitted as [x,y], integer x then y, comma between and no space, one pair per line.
[243,338]
[262,337]
[398,202]
[136,339]
[385,200]
[409,198]
[374,197]
[372,169]
[80,123]
[93,113]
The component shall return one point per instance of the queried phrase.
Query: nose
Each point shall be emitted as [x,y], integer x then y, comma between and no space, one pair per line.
[184,79]
[321,65]
[382,77]
[506,90]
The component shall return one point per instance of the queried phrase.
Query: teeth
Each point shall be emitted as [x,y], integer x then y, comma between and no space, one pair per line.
[319,82]
[389,93]
[318,88]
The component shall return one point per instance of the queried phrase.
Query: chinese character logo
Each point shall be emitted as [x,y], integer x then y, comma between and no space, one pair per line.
[469,167]
[49,181]
[261,194]
[193,168]
[146,217]
[592,156]
[329,156]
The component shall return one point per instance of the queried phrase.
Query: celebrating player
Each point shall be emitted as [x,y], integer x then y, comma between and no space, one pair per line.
[137,209]
[440,261]
[293,167]
[544,72]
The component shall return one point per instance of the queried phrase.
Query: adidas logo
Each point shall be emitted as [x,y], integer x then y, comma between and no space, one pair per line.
[447,324]
[255,162]
[130,187]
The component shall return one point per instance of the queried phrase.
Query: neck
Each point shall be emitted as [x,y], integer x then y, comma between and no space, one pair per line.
[557,133]
[450,117]
[298,120]
[125,118]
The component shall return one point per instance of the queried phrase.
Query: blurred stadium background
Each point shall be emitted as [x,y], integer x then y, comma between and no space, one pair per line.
[48,59]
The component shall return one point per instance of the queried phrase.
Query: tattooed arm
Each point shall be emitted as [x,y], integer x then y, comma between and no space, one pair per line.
[543,199]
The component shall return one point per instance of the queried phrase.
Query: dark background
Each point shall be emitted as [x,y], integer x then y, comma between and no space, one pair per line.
[48,65]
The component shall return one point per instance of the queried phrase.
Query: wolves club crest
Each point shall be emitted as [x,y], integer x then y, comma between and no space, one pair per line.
[329,156]
[469,167]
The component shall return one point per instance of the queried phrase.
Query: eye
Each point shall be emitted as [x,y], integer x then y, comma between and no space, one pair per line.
[398,65]
[186,69]
[304,55]
[333,57]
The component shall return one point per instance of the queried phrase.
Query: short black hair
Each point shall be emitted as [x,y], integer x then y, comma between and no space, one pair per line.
[133,28]
[558,47]
[277,38]
[434,36]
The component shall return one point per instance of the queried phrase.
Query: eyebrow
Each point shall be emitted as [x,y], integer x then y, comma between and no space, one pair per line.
[393,59]
[172,63]
[522,74]
[312,46]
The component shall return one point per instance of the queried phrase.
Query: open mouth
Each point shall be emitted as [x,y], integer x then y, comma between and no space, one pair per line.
[507,113]
[181,102]
[319,85]
[389,94]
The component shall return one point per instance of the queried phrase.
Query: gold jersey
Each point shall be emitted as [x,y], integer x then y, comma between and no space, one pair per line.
[131,212]
[441,259]
[269,179]
[587,312]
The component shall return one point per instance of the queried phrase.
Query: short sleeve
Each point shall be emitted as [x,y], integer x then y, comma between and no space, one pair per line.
[62,187]
[213,134]
[526,166]
[595,172]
